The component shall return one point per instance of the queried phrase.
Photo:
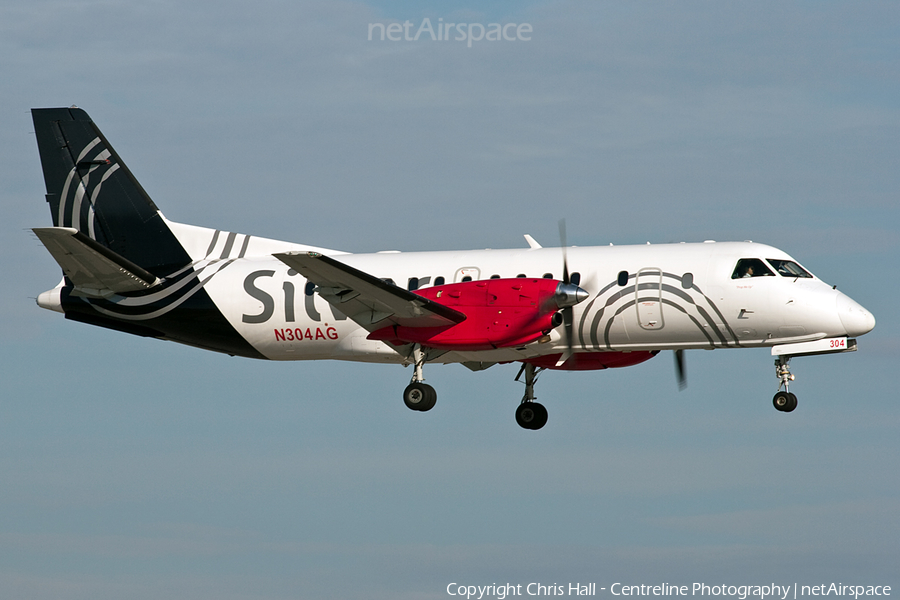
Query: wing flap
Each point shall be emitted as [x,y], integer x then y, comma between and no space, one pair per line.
[93,269]
[365,299]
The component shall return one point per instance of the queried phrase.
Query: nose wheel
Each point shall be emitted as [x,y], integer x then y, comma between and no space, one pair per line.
[784,401]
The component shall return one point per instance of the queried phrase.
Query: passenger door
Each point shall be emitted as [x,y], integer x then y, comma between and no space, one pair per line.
[648,298]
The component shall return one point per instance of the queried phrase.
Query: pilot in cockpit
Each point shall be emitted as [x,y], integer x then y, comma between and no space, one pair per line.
[750,267]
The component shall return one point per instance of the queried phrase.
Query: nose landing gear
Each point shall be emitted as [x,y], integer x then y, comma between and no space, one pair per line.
[784,401]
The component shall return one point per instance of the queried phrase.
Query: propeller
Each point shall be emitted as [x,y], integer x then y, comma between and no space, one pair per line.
[568,295]
[680,371]
[562,242]
[568,312]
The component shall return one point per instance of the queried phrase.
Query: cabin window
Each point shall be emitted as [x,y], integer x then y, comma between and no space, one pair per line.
[575,278]
[548,275]
[310,288]
[751,267]
[622,279]
[788,268]
[495,277]
[388,280]
[438,280]
[467,278]
[521,275]
[687,281]
[412,284]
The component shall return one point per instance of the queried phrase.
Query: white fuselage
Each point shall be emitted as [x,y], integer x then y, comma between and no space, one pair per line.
[671,296]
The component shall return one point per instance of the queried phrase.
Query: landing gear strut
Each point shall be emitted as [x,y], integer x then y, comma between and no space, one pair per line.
[530,414]
[784,401]
[418,395]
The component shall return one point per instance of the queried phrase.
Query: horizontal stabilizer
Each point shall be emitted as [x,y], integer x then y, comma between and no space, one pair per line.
[93,269]
[366,299]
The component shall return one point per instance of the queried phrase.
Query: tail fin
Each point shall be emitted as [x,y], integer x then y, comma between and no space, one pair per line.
[91,190]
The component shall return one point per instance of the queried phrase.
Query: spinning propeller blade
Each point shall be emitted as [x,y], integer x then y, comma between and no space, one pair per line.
[562,242]
[680,372]
[568,312]
[568,294]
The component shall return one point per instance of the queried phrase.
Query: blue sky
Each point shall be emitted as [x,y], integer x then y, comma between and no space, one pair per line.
[137,468]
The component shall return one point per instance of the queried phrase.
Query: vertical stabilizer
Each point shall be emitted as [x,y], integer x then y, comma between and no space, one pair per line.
[91,190]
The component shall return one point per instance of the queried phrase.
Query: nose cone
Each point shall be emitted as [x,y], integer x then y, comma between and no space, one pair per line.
[569,294]
[855,319]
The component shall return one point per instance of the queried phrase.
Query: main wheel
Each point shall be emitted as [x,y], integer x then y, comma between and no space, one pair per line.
[419,396]
[541,415]
[531,415]
[785,401]
[793,403]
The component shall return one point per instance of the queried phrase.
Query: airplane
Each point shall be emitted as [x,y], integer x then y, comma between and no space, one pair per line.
[128,268]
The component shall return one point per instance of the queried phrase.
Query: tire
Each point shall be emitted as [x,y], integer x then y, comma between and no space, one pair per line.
[784,401]
[419,397]
[541,416]
[525,415]
[430,398]
[793,403]
[531,415]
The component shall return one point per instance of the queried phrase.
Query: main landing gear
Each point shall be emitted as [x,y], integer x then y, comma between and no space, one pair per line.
[418,395]
[530,414]
[784,401]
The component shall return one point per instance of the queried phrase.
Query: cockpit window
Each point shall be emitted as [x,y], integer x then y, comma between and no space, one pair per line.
[751,267]
[788,268]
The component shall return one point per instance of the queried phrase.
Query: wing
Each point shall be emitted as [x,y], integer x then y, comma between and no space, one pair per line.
[367,300]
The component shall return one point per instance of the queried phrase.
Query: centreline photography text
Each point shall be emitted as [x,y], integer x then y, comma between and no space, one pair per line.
[741,592]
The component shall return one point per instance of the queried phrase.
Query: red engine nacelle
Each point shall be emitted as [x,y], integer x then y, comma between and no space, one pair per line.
[499,313]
